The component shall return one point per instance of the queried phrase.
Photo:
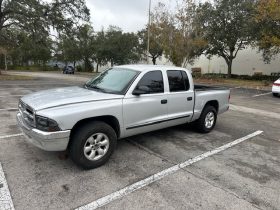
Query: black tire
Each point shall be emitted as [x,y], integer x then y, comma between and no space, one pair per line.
[200,124]
[80,137]
[275,94]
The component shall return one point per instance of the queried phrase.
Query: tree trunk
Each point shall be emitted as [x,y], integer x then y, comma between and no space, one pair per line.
[85,64]
[74,65]
[229,63]
[97,67]
[154,59]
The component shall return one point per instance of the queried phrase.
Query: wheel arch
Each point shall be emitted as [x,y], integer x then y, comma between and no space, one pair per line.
[213,103]
[109,119]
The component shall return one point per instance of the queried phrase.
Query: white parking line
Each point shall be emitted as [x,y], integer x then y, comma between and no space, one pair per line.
[263,94]
[18,88]
[138,185]
[9,136]
[6,202]
[234,88]
[9,109]
[255,111]
[11,96]
[38,84]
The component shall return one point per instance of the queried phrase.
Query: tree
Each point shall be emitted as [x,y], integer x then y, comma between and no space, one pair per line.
[267,31]
[76,46]
[68,49]
[30,15]
[175,32]
[226,26]
[155,47]
[85,40]
[3,52]
[120,48]
[23,47]
[25,26]
[100,50]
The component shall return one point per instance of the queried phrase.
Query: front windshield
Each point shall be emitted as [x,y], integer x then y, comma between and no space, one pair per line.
[114,80]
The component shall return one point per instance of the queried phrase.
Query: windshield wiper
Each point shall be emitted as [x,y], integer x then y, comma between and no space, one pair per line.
[97,88]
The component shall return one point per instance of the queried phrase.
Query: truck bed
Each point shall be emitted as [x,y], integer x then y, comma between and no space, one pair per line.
[204,93]
[198,87]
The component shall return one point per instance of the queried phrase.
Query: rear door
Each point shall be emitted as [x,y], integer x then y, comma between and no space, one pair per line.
[180,97]
[148,111]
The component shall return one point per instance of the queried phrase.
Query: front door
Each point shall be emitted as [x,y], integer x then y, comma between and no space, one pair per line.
[147,111]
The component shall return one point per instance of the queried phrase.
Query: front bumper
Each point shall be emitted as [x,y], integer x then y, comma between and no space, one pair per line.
[48,141]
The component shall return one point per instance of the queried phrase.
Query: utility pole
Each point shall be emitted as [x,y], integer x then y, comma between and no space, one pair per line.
[148,39]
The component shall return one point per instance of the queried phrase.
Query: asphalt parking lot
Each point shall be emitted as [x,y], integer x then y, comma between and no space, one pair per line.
[243,176]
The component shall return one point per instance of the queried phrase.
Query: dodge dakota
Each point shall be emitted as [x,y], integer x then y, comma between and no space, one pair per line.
[122,101]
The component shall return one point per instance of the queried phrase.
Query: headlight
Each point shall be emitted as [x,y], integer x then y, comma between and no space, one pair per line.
[46,124]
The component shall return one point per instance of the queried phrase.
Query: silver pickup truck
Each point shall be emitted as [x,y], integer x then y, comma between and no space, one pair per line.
[122,101]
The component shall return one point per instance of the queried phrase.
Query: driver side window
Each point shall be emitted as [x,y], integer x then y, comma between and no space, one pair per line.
[152,81]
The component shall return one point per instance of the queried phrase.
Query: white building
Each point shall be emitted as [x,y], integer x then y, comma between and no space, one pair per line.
[247,62]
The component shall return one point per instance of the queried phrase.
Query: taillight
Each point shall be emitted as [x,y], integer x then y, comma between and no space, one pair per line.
[277,84]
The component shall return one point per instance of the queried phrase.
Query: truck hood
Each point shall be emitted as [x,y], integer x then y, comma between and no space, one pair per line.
[63,96]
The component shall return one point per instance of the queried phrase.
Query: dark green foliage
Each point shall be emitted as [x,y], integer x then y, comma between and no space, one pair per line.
[120,48]
[266,32]
[226,26]
[26,25]
[111,46]
[155,47]
[39,16]
[242,77]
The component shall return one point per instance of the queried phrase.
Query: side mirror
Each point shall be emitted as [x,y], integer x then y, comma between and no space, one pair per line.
[139,90]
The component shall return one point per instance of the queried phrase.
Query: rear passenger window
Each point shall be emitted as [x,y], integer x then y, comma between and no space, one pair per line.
[153,80]
[178,81]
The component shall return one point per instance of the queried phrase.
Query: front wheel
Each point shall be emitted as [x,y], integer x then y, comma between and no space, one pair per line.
[92,144]
[207,120]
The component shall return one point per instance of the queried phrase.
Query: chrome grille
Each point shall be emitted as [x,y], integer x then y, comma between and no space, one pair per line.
[27,113]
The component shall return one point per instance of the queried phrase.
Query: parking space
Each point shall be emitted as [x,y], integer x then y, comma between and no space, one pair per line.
[244,176]
[257,99]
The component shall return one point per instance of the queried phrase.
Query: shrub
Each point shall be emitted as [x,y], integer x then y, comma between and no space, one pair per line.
[243,77]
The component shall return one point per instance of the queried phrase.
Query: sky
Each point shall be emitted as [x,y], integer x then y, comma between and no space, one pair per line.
[130,15]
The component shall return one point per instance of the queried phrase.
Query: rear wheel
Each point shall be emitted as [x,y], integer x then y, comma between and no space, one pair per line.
[92,144]
[275,94]
[207,120]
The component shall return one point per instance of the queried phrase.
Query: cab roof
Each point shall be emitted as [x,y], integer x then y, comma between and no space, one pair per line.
[147,67]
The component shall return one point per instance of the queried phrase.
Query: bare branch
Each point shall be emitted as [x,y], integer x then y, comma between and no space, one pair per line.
[239,47]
